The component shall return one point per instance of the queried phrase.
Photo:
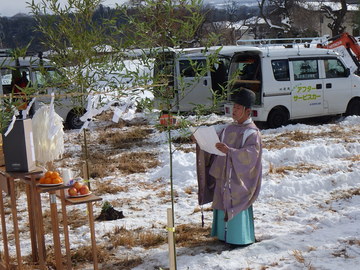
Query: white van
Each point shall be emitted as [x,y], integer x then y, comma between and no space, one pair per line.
[38,73]
[294,83]
[186,89]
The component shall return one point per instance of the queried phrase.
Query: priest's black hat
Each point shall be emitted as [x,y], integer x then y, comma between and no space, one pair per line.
[244,97]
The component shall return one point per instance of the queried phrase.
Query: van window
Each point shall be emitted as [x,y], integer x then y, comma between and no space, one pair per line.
[192,68]
[281,69]
[48,77]
[7,79]
[334,68]
[6,76]
[306,69]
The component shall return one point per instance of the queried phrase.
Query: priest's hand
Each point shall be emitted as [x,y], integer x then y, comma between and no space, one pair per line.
[222,147]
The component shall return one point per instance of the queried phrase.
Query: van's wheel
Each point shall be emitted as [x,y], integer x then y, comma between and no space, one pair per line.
[277,118]
[73,120]
[353,108]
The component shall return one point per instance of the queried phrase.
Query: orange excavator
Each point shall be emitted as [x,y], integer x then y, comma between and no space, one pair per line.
[345,42]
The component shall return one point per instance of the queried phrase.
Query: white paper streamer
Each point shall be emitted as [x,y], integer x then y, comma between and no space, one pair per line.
[46,148]
[53,127]
[120,111]
[92,110]
[11,126]
[25,113]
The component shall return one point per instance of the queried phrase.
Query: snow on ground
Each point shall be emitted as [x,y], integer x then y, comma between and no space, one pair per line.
[306,217]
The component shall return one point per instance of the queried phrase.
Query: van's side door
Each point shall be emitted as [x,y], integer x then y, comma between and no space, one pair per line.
[306,88]
[337,85]
[193,83]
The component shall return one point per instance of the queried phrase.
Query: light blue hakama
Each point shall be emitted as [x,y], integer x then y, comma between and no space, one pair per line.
[239,230]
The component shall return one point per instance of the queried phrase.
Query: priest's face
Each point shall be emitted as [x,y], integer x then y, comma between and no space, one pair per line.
[240,113]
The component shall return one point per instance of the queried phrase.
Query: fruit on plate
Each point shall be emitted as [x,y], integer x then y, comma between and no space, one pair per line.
[78,189]
[77,185]
[84,190]
[51,177]
[72,191]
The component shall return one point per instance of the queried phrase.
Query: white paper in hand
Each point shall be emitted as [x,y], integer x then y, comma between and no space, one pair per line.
[206,138]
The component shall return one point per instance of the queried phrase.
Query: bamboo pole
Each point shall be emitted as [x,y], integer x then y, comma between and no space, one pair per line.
[171,240]
[171,216]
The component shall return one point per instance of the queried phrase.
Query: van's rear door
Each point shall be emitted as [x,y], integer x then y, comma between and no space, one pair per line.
[193,83]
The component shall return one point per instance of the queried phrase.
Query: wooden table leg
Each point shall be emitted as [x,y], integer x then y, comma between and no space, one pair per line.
[15,222]
[92,231]
[66,229]
[4,232]
[34,250]
[55,229]
[38,223]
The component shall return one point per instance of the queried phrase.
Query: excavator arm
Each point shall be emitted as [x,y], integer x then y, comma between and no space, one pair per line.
[348,42]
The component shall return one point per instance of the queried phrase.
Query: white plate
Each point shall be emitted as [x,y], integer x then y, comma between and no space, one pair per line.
[49,185]
[79,195]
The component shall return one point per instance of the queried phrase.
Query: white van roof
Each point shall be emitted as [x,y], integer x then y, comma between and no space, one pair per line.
[29,61]
[226,51]
[284,52]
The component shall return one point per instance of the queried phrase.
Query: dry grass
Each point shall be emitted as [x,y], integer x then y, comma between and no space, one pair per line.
[341,253]
[101,165]
[343,194]
[301,168]
[123,264]
[125,139]
[353,242]
[84,254]
[76,218]
[198,209]
[131,238]
[182,139]
[137,162]
[188,235]
[292,139]
[106,187]
[299,257]
[186,149]
[286,140]
[355,158]
[189,190]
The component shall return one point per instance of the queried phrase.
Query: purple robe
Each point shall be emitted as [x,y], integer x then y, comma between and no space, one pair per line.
[237,175]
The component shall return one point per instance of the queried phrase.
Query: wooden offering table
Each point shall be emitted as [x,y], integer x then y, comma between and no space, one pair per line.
[7,185]
[36,226]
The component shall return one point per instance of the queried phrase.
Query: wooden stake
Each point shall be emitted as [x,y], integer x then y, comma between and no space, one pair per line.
[171,240]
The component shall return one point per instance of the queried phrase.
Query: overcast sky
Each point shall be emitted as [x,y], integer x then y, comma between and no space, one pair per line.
[12,7]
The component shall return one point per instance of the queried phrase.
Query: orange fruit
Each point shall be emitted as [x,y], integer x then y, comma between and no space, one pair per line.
[42,180]
[56,180]
[48,180]
[48,174]
[55,175]
[77,185]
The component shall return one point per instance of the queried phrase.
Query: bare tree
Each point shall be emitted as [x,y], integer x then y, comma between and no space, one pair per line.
[336,16]
[277,15]
[288,18]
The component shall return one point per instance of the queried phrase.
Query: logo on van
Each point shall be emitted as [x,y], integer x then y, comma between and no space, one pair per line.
[307,95]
